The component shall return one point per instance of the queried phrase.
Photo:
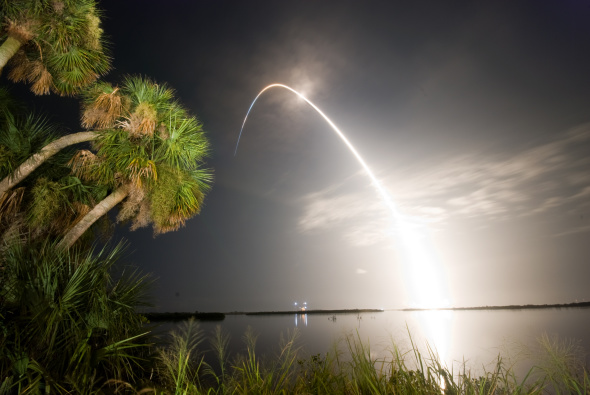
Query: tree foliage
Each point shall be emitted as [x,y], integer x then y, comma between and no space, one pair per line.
[149,142]
[54,45]
[51,199]
[68,324]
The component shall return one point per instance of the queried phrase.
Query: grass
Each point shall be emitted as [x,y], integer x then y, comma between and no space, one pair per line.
[351,370]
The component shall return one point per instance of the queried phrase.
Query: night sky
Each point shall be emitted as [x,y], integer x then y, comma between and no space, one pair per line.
[475,116]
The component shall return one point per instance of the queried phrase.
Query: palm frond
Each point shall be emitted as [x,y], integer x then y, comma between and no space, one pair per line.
[21,138]
[67,23]
[77,321]
[20,67]
[103,105]
[22,27]
[81,162]
[176,197]
[40,77]
[76,68]
[65,36]
[186,146]
[132,204]
[10,203]
[144,90]
[142,217]
[143,120]
[48,203]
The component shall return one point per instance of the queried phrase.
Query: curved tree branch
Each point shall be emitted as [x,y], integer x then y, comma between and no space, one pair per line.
[28,166]
[98,211]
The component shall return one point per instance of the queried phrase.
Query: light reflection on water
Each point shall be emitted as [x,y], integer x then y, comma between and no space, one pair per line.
[300,318]
[435,327]
[475,338]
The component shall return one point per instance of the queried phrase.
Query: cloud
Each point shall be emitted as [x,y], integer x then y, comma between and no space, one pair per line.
[323,211]
[546,178]
[579,229]
[537,179]
[360,215]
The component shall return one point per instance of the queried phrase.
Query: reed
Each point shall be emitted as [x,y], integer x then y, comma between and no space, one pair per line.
[179,364]
[351,369]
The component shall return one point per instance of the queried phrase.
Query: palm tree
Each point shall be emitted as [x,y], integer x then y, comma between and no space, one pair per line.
[40,156]
[55,45]
[150,153]
[51,198]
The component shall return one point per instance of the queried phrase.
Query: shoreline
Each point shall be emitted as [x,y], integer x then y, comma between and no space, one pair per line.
[175,316]
[331,311]
[506,307]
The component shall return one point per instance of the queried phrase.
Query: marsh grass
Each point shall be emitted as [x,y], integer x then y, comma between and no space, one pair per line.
[180,363]
[560,365]
[351,369]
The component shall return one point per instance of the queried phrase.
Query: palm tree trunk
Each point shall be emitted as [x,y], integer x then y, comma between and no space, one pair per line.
[46,152]
[98,211]
[8,49]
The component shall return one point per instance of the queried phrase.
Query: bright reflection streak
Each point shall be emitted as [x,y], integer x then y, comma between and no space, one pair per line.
[417,254]
[436,327]
[303,319]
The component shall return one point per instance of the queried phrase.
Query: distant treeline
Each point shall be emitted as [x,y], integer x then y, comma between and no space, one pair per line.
[179,316]
[510,307]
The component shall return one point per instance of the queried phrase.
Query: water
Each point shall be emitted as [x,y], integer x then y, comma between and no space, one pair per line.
[473,337]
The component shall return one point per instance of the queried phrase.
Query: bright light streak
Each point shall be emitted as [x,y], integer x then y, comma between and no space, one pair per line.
[423,272]
[436,327]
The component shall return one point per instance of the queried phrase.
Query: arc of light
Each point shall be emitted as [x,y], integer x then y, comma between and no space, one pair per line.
[358,157]
[418,252]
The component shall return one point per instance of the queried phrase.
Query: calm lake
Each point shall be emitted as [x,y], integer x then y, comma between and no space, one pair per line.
[473,337]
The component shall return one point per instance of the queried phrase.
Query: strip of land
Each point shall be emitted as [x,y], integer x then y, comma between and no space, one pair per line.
[181,316]
[346,311]
[508,307]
